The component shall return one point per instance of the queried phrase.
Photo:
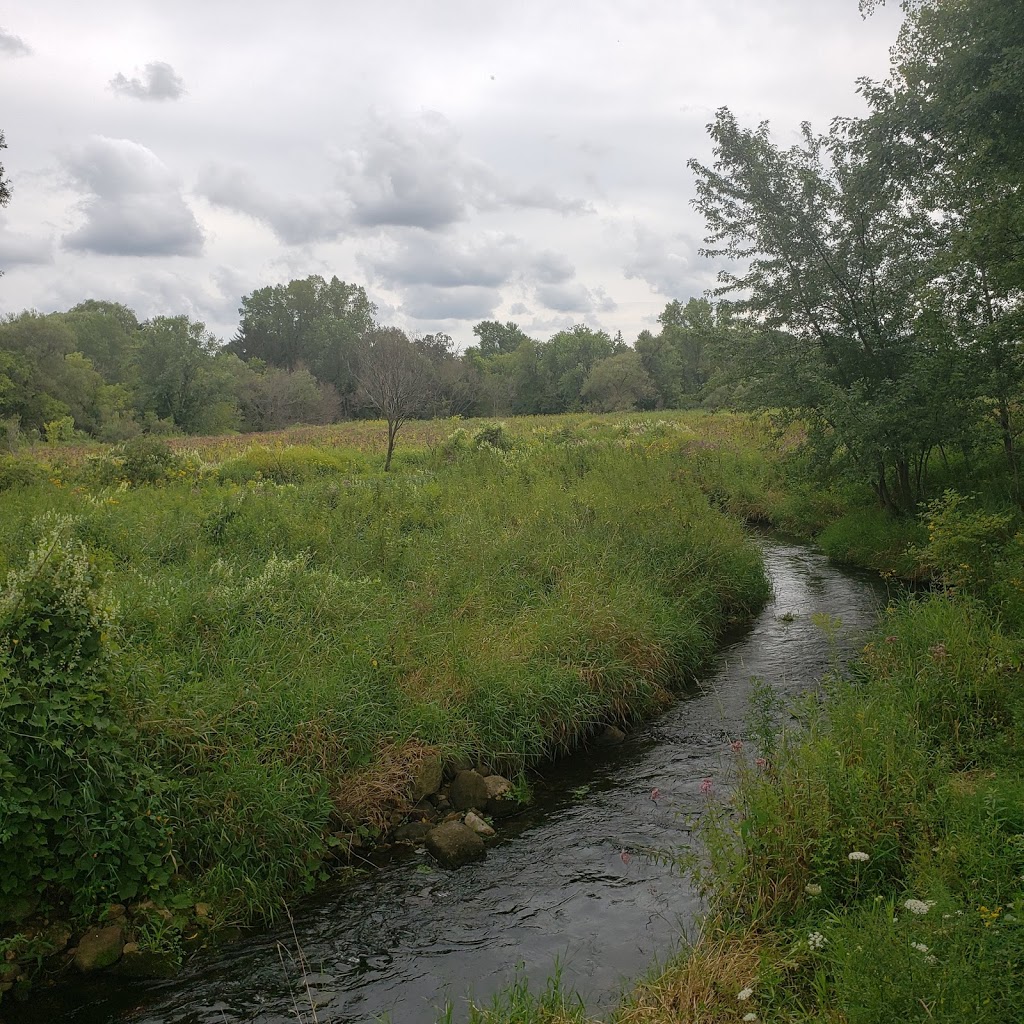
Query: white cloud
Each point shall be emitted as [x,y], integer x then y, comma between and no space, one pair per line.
[160,82]
[133,204]
[19,249]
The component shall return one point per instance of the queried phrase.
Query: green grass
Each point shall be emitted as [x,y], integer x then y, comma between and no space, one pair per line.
[294,627]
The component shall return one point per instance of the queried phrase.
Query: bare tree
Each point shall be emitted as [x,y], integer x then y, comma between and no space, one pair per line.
[396,379]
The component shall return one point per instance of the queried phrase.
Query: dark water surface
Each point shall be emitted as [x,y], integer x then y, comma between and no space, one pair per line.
[555,887]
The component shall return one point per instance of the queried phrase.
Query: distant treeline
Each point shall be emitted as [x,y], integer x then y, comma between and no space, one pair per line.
[296,358]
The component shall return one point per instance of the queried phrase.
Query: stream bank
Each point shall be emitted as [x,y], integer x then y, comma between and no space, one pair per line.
[568,881]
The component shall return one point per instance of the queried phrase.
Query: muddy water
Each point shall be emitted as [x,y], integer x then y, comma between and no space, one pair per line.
[567,883]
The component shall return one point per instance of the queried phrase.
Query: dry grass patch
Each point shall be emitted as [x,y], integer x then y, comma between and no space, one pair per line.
[702,987]
[373,795]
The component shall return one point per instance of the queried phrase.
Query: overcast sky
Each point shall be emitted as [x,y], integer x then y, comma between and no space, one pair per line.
[461,159]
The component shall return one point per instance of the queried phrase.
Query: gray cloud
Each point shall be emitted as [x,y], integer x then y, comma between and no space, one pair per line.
[295,220]
[408,172]
[12,45]
[574,297]
[133,205]
[423,258]
[19,250]
[519,309]
[160,82]
[425,302]
[668,263]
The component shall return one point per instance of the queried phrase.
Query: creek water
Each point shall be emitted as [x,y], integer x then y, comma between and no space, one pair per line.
[569,883]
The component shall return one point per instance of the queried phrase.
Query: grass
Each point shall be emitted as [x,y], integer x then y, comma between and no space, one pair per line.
[295,628]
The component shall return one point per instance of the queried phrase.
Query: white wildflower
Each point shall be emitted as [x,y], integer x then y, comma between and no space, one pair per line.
[931,958]
[744,994]
[919,946]
[918,906]
[816,940]
[750,1016]
[812,890]
[859,855]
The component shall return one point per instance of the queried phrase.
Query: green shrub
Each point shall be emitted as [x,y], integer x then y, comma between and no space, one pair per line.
[291,465]
[140,460]
[20,472]
[77,811]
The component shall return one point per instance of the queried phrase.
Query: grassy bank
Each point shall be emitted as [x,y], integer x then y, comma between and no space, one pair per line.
[221,667]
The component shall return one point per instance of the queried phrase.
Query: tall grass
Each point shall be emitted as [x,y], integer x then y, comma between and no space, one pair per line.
[294,625]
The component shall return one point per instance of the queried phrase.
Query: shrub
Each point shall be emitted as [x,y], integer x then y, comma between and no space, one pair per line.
[76,809]
[291,465]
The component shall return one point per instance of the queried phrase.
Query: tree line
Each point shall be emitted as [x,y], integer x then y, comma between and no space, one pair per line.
[311,351]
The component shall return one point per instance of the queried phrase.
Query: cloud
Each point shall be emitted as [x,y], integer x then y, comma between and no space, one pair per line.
[406,172]
[12,45]
[425,302]
[133,204]
[519,309]
[18,250]
[161,83]
[295,220]
[416,172]
[667,262]
[574,297]
[422,258]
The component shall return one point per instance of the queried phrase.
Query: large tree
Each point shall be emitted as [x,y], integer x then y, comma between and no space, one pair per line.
[947,122]
[309,323]
[833,256]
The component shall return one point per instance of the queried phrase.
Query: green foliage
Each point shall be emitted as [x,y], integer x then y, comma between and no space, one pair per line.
[142,460]
[964,543]
[289,465]
[77,807]
[62,429]
[18,471]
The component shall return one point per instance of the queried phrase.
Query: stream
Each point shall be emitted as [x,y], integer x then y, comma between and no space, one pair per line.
[566,884]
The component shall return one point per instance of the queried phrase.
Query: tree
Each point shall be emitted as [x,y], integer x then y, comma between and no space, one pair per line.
[837,257]
[5,188]
[567,360]
[498,338]
[948,122]
[395,378]
[180,377]
[619,384]
[313,323]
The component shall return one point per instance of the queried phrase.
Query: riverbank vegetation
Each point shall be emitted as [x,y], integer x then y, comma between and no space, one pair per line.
[209,663]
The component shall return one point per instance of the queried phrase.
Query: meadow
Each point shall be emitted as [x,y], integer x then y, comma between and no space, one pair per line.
[224,663]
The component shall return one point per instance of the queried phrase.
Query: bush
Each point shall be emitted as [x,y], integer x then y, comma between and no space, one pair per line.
[291,465]
[77,810]
[141,460]
[15,472]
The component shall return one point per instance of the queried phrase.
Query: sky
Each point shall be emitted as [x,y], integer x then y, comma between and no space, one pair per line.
[462,160]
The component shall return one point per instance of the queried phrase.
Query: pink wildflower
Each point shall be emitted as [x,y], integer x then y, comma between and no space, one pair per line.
[706,786]
[761,763]
[625,857]
[736,746]
[655,793]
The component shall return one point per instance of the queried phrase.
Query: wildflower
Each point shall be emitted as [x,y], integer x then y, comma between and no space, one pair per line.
[750,1016]
[736,746]
[816,940]
[655,793]
[918,906]
[919,946]
[761,763]
[706,786]
[744,994]
[625,856]
[812,890]
[859,855]
[931,958]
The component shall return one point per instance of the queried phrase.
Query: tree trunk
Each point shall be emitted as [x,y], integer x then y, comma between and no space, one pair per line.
[392,431]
